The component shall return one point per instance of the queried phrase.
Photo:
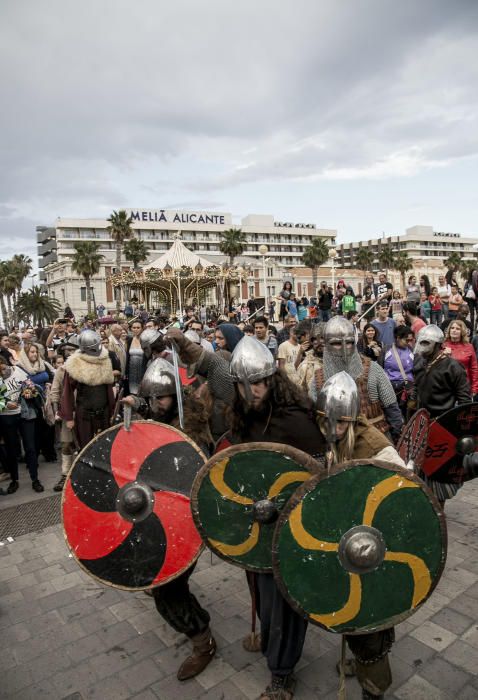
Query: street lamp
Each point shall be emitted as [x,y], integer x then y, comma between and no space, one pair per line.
[263,250]
[240,272]
[332,256]
[35,274]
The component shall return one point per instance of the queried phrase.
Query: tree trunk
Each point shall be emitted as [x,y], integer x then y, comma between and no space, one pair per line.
[4,312]
[314,281]
[88,294]
[9,306]
[118,270]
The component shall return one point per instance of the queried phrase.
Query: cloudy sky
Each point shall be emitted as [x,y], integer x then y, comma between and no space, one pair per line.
[360,115]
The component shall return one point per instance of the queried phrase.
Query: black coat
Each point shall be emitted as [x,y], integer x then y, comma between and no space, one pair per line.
[443,386]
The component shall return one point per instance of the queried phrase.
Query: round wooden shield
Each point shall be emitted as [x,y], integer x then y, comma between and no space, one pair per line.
[413,440]
[360,549]
[238,495]
[451,435]
[126,505]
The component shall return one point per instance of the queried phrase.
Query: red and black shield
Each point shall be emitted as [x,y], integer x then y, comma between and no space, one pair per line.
[413,441]
[126,505]
[451,435]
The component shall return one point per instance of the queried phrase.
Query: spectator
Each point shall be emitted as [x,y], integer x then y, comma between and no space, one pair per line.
[368,300]
[288,353]
[425,308]
[412,290]
[136,359]
[249,330]
[470,298]
[462,315]
[385,288]
[384,324]
[369,344]
[116,345]
[398,366]
[396,305]
[410,312]
[100,310]
[5,351]
[425,285]
[456,339]
[454,302]
[436,307]
[325,302]
[311,351]
[283,334]
[252,305]
[68,313]
[340,292]
[444,291]
[261,325]
[292,305]
[227,336]
[272,310]
[348,301]
[302,310]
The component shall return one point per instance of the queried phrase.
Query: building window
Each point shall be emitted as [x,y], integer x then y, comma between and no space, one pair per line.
[83,293]
[251,290]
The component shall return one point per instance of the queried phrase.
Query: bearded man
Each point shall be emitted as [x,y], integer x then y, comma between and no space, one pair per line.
[377,397]
[87,402]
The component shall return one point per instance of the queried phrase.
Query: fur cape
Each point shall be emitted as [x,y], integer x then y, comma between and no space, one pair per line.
[90,370]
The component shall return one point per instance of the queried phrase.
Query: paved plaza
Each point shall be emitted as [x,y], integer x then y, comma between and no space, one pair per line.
[64,636]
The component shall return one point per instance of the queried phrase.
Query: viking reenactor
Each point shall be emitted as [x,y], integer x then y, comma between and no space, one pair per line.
[87,401]
[350,436]
[67,438]
[311,352]
[157,400]
[440,384]
[377,397]
[268,407]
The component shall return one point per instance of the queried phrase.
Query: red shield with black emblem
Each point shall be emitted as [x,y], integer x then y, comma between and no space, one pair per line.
[451,436]
[126,505]
[413,442]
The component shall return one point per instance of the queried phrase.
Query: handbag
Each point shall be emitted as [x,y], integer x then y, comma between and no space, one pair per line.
[27,409]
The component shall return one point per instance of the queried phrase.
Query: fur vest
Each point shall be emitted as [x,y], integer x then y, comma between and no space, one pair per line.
[90,370]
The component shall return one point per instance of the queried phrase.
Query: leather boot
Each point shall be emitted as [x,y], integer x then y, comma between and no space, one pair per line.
[204,648]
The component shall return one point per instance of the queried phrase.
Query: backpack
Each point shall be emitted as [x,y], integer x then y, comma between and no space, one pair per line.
[348,303]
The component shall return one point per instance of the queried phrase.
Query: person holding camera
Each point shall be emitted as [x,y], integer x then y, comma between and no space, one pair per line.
[325,302]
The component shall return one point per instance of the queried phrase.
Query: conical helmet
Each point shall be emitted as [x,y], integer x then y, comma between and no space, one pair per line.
[427,339]
[158,380]
[338,400]
[90,343]
[251,361]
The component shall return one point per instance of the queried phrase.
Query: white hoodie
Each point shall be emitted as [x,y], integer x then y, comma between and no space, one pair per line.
[13,383]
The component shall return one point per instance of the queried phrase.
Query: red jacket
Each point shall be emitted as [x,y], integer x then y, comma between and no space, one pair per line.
[466,356]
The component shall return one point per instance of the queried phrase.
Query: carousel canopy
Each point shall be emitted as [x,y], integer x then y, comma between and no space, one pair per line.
[177,257]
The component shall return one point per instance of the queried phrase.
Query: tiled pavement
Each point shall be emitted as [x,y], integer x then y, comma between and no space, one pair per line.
[64,636]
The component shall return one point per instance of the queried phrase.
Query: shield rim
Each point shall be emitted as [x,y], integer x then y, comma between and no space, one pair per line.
[308,486]
[303,458]
[456,409]
[421,411]
[68,477]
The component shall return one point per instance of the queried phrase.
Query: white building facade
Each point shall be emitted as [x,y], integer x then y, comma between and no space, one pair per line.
[158,228]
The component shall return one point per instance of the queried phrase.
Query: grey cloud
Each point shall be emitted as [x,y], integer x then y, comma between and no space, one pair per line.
[257,91]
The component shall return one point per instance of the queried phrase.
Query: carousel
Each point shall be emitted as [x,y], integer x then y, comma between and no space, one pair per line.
[179,278]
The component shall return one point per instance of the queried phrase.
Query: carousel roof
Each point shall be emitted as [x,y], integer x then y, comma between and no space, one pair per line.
[177,257]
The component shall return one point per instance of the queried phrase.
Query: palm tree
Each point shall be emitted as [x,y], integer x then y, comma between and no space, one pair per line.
[363,259]
[402,263]
[453,262]
[3,293]
[136,250]
[386,258]
[232,243]
[467,267]
[87,262]
[314,256]
[35,307]
[120,230]
[9,284]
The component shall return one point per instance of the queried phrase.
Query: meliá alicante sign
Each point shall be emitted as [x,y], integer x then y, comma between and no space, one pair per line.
[179,217]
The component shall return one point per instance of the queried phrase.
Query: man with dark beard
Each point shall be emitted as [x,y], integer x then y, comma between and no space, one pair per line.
[174,601]
[265,406]
[378,400]
[311,352]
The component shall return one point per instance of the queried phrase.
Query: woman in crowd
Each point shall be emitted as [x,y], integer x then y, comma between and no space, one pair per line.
[425,285]
[470,298]
[37,436]
[444,291]
[368,299]
[302,309]
[284,298]
[396,305]
[369,344]
[5,349]
[136,360]
[412,290]
[227,336]
[398,366]
[456,340]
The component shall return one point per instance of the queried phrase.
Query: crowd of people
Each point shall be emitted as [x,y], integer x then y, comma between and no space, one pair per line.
[254,379]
